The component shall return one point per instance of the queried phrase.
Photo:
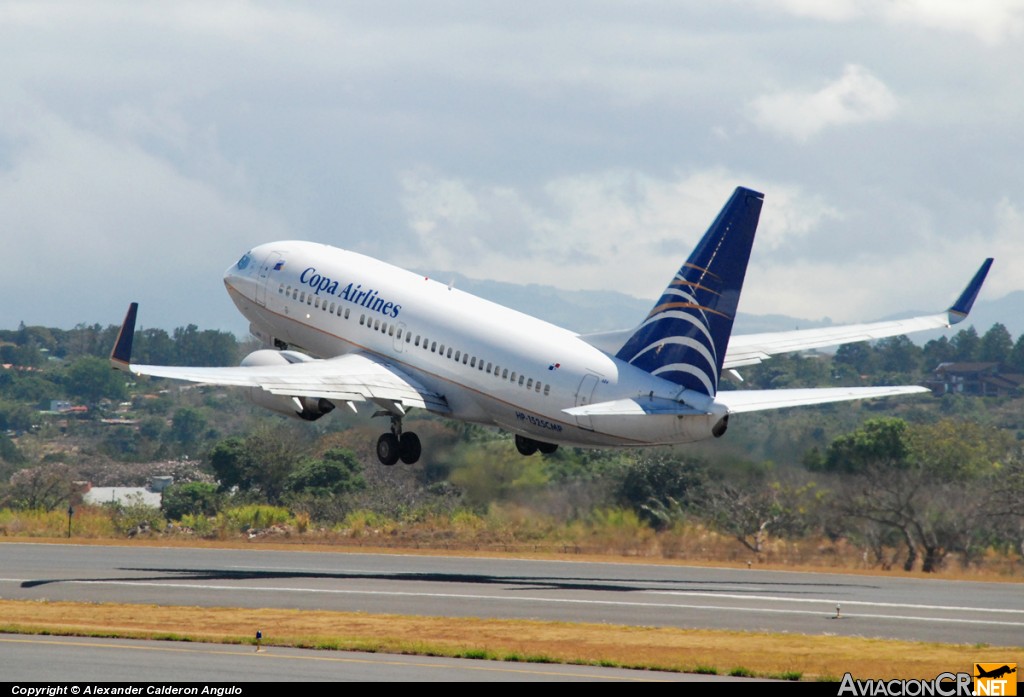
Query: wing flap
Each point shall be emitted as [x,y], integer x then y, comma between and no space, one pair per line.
[351,378]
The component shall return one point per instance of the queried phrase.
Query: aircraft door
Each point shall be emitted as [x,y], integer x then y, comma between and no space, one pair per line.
[263,280]
[584,396]
[400,334]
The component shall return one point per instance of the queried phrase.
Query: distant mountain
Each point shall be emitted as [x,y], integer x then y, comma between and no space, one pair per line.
[1008,310]
[594,311]
[578,310]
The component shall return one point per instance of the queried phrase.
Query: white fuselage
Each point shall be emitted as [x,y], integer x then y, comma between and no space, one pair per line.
[492,364]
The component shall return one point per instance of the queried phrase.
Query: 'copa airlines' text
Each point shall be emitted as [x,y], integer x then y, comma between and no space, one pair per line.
[353,292]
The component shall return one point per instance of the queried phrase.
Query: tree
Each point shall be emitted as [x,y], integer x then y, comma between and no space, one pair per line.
[750,510]
[190,498]
[230,462]
[937,352]
[15,417]
[789,370]
[208,347]
[932,484]
[259,464]
[90,379]
[21,356]
[153,347]
[898,354]
[966,345]
[654,480]
[152,428]
[494,471]
[877,442]
[996,345]
[958,450]
[9,451]
[46,487]
[84,340]
[858,356]
[337,471]
[187,426]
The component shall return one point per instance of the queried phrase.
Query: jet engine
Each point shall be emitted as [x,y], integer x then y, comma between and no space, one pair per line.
[305,408]
[692,428]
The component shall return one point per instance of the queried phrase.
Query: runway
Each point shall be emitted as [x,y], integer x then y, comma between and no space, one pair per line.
[619,593]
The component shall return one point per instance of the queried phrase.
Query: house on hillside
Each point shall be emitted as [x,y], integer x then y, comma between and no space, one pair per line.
[975,380]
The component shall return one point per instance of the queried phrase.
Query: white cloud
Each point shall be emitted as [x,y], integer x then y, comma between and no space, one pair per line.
[629,231]
[991,21]
[856,96]
[1006,244]
[876,283]
[616,229]
[90,217]
[587,146]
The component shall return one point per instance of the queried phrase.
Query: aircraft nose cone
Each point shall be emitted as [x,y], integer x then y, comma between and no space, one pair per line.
[242,266]
[242,273]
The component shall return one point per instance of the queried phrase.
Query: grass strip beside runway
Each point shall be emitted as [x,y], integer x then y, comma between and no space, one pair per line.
[702,651]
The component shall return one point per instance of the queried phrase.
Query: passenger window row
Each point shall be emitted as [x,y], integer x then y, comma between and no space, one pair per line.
[392,330]
[314,300]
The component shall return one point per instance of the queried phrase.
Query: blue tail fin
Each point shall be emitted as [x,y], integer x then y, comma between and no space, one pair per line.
[685,336]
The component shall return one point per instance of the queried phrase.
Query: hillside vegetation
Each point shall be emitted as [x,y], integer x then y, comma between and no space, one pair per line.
[927,484]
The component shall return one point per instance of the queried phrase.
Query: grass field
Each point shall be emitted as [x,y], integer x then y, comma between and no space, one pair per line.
[785,656]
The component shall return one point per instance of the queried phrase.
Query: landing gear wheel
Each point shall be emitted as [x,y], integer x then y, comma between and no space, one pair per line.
[547,448]
[409,447]
[388,449]
[525,446]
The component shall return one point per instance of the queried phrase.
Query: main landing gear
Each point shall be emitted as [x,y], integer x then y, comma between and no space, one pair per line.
[396,445]
[528,446]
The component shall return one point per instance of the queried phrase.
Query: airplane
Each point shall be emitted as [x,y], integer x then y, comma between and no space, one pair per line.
[995,673]
[348,329]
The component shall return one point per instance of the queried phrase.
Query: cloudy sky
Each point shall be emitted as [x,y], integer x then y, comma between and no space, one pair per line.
[584,145]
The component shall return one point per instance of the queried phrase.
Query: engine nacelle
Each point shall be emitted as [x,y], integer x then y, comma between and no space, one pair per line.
[267,357]
[719,429]
[305,408]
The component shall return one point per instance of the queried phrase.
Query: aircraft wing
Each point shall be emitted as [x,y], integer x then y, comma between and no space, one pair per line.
[738,401]
[352,377]
[750,349]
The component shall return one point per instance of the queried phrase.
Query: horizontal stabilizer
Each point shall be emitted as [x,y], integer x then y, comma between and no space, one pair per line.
[738,401]
[635,407]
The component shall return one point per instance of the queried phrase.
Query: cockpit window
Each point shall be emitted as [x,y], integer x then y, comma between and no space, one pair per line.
[244,261]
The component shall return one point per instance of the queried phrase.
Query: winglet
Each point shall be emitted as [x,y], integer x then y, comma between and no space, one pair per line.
[121,356]
[962,307]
